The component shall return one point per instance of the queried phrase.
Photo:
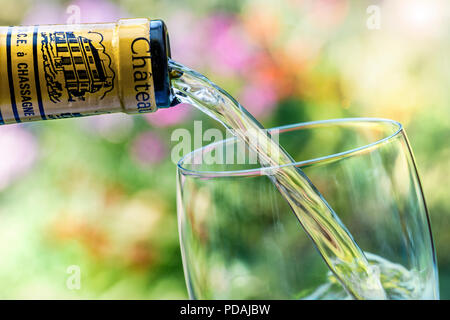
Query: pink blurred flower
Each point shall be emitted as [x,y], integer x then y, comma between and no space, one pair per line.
[259,99]
[169,117]
[187,39]
[148,148]
[18,153]
[216,42]
[230,50]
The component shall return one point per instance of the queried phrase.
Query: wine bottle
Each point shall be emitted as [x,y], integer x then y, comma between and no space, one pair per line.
[63,71]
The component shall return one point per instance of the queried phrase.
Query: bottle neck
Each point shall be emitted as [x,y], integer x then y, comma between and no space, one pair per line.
[61,71]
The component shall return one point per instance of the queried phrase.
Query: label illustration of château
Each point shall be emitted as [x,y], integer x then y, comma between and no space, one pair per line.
[76,65]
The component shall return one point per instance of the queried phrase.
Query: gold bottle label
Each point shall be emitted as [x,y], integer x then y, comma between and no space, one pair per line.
[60,71]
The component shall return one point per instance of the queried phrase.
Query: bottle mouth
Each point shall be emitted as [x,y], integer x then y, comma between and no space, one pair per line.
[160,53]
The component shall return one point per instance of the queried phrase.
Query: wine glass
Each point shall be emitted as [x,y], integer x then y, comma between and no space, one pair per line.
[240,240]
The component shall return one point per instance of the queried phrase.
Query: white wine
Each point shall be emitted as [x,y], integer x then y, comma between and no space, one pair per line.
[398,283]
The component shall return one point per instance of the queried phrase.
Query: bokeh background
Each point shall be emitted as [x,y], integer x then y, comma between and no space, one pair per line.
[99,192]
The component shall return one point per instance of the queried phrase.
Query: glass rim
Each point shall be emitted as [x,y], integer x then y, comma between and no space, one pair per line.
[258,171]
